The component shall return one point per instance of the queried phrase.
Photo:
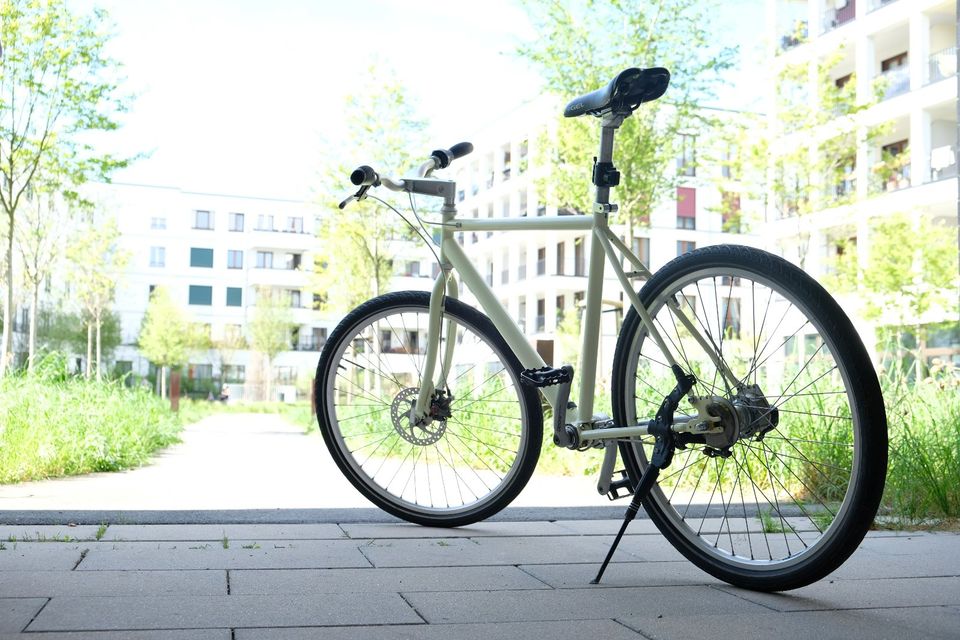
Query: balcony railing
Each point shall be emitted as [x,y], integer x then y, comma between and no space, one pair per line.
[897,82]
[833,18]
[942,64]
[796,37]
[943,163]
[309,344]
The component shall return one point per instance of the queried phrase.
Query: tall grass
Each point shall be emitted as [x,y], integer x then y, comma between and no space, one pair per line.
[52,424]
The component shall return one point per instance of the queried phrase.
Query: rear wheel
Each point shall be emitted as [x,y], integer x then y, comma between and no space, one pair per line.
[787,488]
[479,447]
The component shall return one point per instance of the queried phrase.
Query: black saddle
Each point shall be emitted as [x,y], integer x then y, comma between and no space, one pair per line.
[626,92]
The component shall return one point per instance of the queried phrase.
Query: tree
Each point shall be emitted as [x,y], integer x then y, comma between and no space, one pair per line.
[910,269]
[270,329]
[808,151]
[580,48]
[165,335]
[56,86]
[96,265]
[355,258]
[66,331]
[39,234]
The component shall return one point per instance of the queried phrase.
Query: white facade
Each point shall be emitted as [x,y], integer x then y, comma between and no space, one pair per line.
[214,253]
[908,49]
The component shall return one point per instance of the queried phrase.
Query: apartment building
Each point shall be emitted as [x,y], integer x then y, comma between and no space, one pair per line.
[215,254]
[540,277]
[906,51]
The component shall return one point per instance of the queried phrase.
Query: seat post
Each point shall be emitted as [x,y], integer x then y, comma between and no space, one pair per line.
[604,173]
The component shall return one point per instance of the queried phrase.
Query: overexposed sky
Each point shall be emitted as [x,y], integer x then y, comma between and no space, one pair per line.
[237,96]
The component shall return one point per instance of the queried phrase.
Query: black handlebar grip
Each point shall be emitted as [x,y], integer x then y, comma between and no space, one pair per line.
[364,175]
[445,156]
[461,149]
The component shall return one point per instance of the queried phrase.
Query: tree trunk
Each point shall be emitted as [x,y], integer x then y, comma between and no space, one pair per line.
[163,381]
[6,343]
[88,370]
[99,350]
[32,345]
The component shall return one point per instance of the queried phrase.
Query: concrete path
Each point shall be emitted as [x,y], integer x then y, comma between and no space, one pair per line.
[246,461]
[489,581]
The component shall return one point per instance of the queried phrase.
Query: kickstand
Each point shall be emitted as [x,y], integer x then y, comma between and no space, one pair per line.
[643,488]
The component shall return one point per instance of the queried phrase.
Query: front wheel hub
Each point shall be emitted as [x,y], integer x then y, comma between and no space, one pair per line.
[419,434]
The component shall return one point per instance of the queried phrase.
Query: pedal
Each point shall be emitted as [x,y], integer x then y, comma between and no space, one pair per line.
[622,484]
[546,376]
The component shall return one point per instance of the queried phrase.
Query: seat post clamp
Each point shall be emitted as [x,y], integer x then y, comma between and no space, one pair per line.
[605,174]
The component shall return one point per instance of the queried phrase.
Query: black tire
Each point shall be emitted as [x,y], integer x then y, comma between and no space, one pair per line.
[815,477]
[474,462]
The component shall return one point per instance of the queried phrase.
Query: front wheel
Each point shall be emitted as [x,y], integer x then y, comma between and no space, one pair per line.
[787,487]
[480,445]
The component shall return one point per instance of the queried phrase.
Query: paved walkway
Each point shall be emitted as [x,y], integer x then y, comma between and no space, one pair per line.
[246,461]
[489,581]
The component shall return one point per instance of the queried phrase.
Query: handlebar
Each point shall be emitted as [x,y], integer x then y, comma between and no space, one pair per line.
[365,176]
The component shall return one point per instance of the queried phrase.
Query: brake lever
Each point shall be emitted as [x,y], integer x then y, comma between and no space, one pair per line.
[358,196]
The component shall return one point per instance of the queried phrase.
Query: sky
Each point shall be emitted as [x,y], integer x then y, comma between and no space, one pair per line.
[240,96]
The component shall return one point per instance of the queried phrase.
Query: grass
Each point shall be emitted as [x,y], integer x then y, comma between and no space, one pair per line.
[52,425]
[101,530]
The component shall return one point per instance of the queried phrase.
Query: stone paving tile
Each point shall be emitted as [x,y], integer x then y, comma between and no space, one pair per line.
[41,556]
[109,583]
[859,594]
[266,581]
[479,529]
[921,623]
[165,634]
[640,526]
[299,554]
[16,613]
[567,630]
[483,551]
[46,533]
[620,574]
[644,548]
[903,557]
[189,612]
[207,532]
[573,604]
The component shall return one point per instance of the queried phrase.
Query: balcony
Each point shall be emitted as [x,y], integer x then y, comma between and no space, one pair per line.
[897,81]
[942,64]
[308,343]
[833,18]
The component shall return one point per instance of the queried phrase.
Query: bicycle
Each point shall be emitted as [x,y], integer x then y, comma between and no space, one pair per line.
[774,420]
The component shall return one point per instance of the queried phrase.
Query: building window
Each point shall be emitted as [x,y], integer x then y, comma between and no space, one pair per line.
[292,261]
[522,314]
[561,308]
[202,219]
[523,203]
[541,261]
[641,247]
[560,257]
[686,208]
[685,246]
[234,259]
[264,260]
[522,265]
[236,222]
[411,269]
[731,317]
[264,223]
[294,298]
[158,223]
[687,162]
[579,262]
[201,257]
[234,297]
[286,375]
[158,256]
[200,295]
[233,334]
[234,373]
[294,224]
[505,268]
[731,211]
[541,314]
[199,371]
